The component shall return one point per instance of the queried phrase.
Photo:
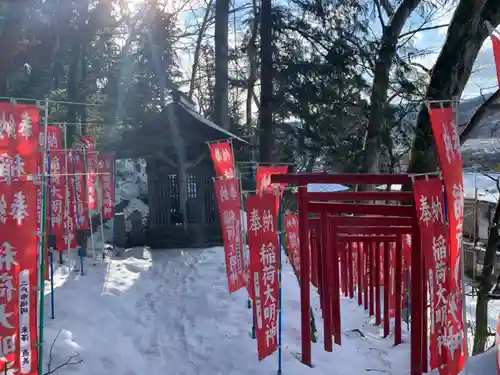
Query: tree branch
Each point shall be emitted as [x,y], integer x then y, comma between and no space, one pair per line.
[413,32]
[67,363]
[379,13]
[478,116]
[387,7]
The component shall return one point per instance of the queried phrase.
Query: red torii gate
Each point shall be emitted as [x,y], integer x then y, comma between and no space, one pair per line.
[383,216]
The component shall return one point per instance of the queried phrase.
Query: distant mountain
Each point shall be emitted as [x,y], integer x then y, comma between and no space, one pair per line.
[481,151]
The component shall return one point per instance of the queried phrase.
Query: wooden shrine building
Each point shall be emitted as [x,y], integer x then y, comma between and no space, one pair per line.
[154,142]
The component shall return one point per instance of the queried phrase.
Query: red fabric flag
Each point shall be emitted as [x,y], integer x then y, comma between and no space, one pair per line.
[69,224]
[106,170]
[263,177]
[383,245]
[90,158]
[392,278]
[292,241]
[264,256]
[18,272]
[406,249]
[433,232]
[227,193]
[496,51]
[57,196]
[55,160]
[354,256]
[313,248]
[407,252]
[263,182]
[222,157]
[19,128]
[19,136]
[447,142]
[54,142]
[77,163]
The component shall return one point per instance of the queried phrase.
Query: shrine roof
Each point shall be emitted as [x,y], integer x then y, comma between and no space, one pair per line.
[154,134]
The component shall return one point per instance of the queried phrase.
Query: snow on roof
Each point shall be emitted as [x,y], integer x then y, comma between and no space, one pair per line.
[325,188]
[486,187]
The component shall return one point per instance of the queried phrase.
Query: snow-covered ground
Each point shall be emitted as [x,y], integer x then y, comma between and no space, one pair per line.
[169,312]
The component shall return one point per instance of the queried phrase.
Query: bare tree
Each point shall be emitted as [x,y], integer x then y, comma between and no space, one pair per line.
[221,110]
[201,34]
[378,99]
[266,126]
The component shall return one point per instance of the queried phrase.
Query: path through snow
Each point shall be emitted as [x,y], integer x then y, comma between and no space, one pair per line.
[168,312]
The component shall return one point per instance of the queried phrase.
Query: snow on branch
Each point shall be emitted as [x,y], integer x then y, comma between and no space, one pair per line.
[71,360]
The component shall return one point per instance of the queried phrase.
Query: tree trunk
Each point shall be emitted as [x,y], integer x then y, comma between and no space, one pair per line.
[221,96]
[466,35]
[252,76]
[266,126]
[72,89]
[203,29]
[481,334]
[378,98]
[11,34]
[480,113]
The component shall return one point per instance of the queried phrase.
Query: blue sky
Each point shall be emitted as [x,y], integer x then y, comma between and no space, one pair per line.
[483,78]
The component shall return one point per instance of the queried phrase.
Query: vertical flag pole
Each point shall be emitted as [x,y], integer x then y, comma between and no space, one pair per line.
[77,219]
[407,298]
[113,176]
[85,160]
[67,202]
[280,280]
[51,245]
[253,184]
[462,257]
[99,206]
[41,288]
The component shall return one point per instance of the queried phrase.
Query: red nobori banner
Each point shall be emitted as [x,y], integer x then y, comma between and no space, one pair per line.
[18,278]
[69,224]
[106,169]
[63,210]
[222,157]
[392,278]
[354,263]
[228,200]
[264,256]
[448,148]
[406,249]
[292,241]
[263,178]
[57,191]
[383,245]
[433,232]
[79,198]
[54,142]
[496,52]
[19,137]
[90,158]
[406,252]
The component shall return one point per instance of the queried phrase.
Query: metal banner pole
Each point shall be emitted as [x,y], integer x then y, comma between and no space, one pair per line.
[85,159]
[41,291]
[99,206]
